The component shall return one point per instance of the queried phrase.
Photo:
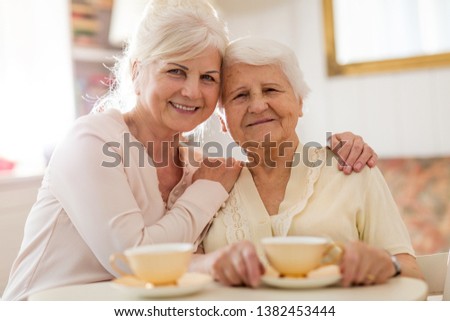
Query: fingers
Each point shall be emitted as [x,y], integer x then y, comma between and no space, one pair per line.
[224,171]
[253,267]
[373,160]
[354,160]
[373,275]
[364,265]
[360,155]
[231,174]
[238,265]
[353,152]
[224,274]
[223,269]
[349,265]
[341,147]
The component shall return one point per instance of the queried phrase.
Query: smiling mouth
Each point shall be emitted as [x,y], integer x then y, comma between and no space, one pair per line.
[259,122]
[184,107]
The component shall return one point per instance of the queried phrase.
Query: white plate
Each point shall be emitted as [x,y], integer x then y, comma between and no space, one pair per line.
[187,284]
[300,283]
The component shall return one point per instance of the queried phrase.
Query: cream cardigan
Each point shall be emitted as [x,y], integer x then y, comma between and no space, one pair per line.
[320,201]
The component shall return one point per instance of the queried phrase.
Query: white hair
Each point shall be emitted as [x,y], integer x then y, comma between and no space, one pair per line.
[259,52]
[169,29]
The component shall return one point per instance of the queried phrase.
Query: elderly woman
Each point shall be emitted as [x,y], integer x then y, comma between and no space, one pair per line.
[290,189]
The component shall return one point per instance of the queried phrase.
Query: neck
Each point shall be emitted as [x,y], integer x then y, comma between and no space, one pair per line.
[272,159]
[160,146]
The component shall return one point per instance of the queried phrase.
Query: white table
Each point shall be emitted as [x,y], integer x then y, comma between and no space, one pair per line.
[397,289]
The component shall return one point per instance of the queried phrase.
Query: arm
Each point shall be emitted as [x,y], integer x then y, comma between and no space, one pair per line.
[352,151]
[382,233]
[102,207]
[409,266]
[366,264]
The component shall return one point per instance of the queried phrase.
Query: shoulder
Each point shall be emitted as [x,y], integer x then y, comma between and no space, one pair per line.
[102,127]
[330,171]
[104,122]
[88,134]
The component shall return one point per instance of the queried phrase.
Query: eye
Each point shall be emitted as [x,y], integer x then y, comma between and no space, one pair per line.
[240,95]
[208,77]
[270,89]
[177,72]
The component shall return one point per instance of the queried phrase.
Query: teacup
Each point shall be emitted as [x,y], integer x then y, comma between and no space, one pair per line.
[295,256]
[159,264]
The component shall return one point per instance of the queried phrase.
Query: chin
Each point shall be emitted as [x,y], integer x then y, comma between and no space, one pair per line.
[262,137]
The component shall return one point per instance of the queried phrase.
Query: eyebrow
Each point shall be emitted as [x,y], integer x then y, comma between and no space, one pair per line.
[245,88]
[186,68]
[271,84]
[236,90]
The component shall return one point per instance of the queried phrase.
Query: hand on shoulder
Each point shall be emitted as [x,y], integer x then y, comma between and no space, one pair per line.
[353,152]
[223,170]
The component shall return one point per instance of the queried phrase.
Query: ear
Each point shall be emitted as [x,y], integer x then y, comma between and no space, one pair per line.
[223,124]
[300,107]
[134,74]
[134,70]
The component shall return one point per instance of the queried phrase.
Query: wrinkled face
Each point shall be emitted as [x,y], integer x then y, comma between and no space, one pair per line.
[178,96]
[259,100]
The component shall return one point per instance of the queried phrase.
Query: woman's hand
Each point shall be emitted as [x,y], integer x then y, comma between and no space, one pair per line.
[352,151]
[363,264]
[225,171]
[237,264]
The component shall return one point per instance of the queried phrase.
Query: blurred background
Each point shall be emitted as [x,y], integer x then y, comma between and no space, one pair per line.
[55,54]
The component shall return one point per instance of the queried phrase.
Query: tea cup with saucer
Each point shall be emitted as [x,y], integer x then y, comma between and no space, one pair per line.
[297,256]
[158,264]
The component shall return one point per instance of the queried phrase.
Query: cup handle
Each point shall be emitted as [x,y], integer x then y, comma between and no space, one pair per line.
[333,254]
[113,261]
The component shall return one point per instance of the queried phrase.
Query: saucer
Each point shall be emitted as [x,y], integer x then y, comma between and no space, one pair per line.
[189,283]
[300,283]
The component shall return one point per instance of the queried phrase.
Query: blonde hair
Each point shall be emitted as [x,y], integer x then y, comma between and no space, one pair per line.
[169,29]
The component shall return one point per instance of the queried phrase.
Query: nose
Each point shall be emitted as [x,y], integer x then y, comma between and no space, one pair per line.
[257,104]
[191,88]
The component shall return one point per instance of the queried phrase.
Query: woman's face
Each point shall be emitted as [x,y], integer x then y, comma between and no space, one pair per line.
[178,96]
[259,101]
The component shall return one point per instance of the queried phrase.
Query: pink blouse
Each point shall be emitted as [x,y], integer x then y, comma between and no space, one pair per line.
[99,196]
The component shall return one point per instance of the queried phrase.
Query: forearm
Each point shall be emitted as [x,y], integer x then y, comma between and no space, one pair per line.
[409,266]
[203,263]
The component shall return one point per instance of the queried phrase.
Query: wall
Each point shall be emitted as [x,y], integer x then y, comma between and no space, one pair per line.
[399,114]
[17,195]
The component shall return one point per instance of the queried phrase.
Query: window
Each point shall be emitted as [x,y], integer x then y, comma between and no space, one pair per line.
[377,35]
[36,85]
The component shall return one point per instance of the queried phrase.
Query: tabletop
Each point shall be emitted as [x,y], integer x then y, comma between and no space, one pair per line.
[396,289]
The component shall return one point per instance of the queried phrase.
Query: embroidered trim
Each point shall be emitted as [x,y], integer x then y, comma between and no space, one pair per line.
[237,225]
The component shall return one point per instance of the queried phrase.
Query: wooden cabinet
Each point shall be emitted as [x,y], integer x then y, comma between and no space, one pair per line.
[92,54]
